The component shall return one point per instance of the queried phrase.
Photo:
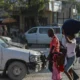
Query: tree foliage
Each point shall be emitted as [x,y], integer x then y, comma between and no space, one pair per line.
[23,6]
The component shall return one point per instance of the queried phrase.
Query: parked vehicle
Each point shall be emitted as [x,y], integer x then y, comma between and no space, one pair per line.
[38,35]
[16,44]
[8,39]
[17,61]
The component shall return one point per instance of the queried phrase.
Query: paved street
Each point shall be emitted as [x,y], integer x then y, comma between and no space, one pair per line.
[46,75]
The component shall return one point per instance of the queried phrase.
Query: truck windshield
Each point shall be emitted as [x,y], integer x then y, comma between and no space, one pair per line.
[4,43]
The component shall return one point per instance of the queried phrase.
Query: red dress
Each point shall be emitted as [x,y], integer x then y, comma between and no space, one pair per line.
[56,44]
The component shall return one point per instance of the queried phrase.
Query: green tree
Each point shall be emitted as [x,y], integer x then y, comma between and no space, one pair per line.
[35,9]
[30,8]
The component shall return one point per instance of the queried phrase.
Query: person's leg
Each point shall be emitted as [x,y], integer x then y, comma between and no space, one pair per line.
[75,76]
[61,76]
[71,72]
[55,73]
[68,67]
[68,75]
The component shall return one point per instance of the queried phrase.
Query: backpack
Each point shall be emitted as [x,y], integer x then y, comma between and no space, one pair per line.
[62,49]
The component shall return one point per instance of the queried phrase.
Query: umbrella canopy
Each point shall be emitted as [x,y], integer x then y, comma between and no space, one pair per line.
[9,20]
[71,26]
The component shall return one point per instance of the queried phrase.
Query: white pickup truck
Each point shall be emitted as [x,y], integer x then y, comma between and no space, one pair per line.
[17,61]
[16,44]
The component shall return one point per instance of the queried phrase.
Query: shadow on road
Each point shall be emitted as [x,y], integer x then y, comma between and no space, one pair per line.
[4,77]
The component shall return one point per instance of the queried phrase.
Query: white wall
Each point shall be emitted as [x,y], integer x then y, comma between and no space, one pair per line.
[78,0]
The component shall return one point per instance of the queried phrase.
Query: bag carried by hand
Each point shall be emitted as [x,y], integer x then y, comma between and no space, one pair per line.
[50,64]
[59,59]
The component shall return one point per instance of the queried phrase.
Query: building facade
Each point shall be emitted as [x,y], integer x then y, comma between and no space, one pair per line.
[54,13]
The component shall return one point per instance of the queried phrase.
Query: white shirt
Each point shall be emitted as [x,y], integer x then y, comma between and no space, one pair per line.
[71,48]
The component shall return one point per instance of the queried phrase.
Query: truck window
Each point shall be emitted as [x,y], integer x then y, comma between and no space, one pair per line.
[57,30]
[34,30]
[3,43]
[43,30]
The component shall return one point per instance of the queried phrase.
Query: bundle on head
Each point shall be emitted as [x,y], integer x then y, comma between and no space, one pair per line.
[71,27]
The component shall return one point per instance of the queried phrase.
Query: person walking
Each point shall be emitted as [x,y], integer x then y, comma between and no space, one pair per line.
[69,29]
[54,49]
[71,57]
[4,30]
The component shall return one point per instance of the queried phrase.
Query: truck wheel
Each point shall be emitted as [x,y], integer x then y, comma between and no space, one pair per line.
[17,71]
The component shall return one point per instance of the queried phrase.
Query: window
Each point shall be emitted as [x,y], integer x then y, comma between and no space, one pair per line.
[43,30]
[34,30]
[56,30]
[3,43]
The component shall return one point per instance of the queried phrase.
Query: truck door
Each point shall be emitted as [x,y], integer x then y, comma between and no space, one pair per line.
[43,37]
[58,32]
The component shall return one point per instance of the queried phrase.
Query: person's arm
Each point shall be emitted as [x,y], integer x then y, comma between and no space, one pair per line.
[52,49]
[68,40]
[50,53]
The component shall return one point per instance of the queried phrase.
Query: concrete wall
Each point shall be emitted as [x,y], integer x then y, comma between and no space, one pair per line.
[48,15]
[66,13]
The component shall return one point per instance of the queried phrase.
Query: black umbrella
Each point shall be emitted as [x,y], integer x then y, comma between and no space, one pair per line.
[71,26]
